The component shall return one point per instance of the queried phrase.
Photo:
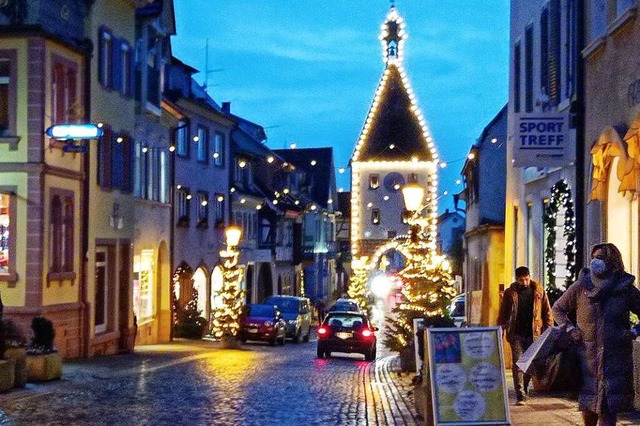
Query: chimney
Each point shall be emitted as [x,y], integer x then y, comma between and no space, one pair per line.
[226,107]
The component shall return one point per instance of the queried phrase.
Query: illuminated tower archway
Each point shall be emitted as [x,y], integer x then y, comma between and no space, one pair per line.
[395,147]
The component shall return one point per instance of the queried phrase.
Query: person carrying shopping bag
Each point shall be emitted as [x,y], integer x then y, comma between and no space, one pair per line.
[602,299]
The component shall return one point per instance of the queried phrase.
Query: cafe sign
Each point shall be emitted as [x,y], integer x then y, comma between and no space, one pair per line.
[542,140]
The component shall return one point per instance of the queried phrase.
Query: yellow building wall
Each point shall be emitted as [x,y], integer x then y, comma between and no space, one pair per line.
[20,155]
[66,291]
[15,296]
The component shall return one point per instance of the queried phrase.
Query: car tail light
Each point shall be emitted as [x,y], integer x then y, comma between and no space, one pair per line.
[367,333]
[322,331]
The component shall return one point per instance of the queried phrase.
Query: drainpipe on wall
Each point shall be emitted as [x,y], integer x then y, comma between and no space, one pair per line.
[579,111]
[84,278]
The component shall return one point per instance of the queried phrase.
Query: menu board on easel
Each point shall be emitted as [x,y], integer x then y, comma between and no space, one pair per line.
[468,385]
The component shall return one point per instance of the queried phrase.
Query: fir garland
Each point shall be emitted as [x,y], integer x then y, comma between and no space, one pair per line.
[560,197]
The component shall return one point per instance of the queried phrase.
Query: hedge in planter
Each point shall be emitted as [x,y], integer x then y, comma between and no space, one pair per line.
[16,351]
[43,360]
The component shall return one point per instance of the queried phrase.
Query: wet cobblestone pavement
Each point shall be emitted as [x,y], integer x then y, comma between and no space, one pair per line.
[200,384]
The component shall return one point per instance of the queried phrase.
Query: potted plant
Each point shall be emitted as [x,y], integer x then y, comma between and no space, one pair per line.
[7,375]
[43,360]
[16,351]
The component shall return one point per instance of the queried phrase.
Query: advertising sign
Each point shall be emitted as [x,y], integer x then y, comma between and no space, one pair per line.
[542,140]
[468,385]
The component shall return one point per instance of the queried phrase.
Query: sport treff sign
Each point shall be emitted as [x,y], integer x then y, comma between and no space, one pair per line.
[542,140]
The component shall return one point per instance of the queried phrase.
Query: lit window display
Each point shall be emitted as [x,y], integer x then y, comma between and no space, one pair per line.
[143,285]
[6,250]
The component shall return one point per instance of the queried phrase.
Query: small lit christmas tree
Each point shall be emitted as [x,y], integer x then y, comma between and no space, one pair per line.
[229,302]
[426,293]
[189,321]
[358,284]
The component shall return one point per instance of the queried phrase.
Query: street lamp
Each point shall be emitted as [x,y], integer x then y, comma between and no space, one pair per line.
[224,317]
[413,195]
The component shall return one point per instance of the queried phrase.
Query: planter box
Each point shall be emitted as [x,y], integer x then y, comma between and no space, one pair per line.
[6,375]
[42,368]
[19,357]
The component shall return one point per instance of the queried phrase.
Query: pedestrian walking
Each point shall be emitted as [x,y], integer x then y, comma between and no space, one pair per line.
[524,314]
[601,300]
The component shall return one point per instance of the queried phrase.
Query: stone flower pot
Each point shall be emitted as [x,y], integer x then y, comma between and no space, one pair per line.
[42,368]
[7,375]
[19,357]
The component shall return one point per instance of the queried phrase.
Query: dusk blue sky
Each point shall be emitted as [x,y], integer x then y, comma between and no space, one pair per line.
[307,70]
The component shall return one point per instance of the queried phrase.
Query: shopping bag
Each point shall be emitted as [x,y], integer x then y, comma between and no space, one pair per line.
[539,350]
[559,371]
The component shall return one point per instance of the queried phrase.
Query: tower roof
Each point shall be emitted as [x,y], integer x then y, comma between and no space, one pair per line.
[395,129]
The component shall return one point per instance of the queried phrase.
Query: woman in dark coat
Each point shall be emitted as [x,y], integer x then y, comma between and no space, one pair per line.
[602,299]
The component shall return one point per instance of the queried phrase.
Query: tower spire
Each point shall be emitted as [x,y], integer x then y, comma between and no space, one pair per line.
[392,37]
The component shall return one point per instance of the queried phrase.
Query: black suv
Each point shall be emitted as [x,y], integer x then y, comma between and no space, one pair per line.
[348,332]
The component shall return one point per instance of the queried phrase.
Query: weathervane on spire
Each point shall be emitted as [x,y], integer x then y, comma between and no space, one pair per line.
[392,36]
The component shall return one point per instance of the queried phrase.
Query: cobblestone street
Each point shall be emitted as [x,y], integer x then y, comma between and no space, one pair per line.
[198,383]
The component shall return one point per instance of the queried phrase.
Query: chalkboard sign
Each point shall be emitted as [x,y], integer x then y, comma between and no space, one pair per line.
[468,385]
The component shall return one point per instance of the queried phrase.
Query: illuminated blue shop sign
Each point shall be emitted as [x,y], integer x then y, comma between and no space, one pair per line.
[74,131]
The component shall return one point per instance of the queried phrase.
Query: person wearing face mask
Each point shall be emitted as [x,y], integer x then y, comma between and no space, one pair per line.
[601,299]
[524,314]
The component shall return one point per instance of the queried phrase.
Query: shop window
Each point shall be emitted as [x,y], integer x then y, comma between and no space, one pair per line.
[374,181]
[203,209]
[8,101]
[7,235]
[143,285]
[103,278]
[375,216]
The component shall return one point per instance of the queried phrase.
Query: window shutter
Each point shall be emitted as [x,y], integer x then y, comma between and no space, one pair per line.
[117,166]
[58,81]
[101,57]
[127,164]
[132,73]
[554,51]
[544,51]
[73,111]
[105,157]
[116,73]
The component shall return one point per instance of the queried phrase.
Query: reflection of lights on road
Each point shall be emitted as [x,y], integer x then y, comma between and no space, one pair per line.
[380,285]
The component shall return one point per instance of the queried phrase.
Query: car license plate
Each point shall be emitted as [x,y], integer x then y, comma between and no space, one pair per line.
[253,330]
[343,335]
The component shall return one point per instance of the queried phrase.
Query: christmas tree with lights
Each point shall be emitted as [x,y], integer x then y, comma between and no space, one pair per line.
[426,293]
[229,304]
[358,285]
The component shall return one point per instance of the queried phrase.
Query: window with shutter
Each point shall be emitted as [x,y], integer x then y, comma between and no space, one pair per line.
[105,57]
[544,51]
[55,234]
[528,69]
[58,94]
[116,73]
[104,157]
[203,144]
[555,35]
[218,149]
[67,239]
[517,82]
[127,163]
[125,69]
[598,21]
[117,162]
